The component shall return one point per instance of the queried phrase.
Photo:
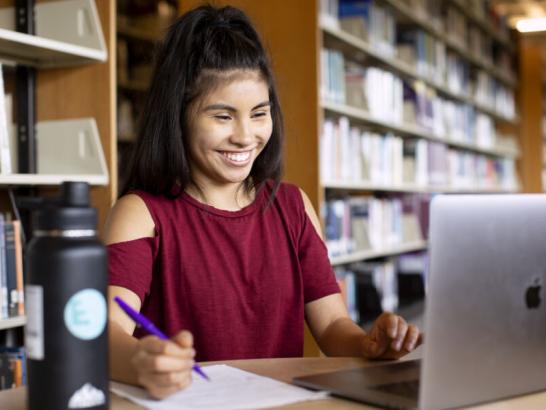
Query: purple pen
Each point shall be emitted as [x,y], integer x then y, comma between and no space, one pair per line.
[145,323]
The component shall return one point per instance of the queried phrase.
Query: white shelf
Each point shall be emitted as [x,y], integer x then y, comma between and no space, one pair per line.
[44,53]
[462,51]
[412,130]
[78,40]
[371,254]
[367,186]
[39,179]
[12,322]
[67,150]
[354,44]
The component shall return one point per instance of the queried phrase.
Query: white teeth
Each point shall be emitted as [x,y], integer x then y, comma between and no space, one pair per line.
[237,157]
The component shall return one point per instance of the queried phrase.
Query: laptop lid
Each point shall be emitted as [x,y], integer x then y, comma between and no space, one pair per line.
[485,330]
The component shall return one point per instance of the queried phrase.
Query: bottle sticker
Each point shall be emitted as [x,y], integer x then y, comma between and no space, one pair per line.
[87,396]
[85,314]
[34,329]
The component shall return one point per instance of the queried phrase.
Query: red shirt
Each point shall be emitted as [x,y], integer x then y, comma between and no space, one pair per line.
[237,280]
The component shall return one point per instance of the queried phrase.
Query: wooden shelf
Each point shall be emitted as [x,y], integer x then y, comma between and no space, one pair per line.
[372,254]
[406,188]
[13,322]
[407,13]
[353,45]
[363,116]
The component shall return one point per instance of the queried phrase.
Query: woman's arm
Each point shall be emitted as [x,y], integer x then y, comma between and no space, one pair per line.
[337,335]
[129,219]
[161,366]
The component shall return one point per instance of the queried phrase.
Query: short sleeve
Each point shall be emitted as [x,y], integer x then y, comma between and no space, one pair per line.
[130,265]
[319,279]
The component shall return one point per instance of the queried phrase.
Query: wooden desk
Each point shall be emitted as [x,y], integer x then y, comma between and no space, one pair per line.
[285,370]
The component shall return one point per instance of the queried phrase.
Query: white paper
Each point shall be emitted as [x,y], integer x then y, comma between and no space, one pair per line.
[229,388]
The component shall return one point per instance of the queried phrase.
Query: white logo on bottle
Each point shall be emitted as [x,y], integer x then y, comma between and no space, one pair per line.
[86,396]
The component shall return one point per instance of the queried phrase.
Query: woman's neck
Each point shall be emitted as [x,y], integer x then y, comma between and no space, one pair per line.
[232,197]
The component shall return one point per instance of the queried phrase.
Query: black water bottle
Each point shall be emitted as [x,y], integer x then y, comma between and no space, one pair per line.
[66,333]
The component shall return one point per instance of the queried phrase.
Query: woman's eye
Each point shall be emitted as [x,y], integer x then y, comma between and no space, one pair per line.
[222,117]
[259,114]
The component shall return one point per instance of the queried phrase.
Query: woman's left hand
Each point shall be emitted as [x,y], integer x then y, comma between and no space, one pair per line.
[390,337]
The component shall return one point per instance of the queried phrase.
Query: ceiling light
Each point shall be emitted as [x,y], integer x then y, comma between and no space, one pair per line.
[532,24]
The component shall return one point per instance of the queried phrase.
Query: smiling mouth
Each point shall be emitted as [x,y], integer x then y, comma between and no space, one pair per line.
[236,157]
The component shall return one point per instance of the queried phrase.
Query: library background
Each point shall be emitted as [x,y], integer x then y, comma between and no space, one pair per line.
[387,103]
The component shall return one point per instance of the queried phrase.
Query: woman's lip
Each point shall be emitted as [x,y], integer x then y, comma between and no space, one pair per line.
[232,162]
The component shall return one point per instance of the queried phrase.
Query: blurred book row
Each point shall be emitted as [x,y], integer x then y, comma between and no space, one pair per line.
[376,23]
[370,288]
[349,153]
[359,223]
[385,96]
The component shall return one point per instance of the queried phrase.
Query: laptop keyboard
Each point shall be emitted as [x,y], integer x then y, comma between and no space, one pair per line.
[409,389]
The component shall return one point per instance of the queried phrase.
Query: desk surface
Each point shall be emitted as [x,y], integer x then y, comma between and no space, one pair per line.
[285,370]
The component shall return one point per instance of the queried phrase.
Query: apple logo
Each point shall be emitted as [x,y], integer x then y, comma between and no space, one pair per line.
[532,295]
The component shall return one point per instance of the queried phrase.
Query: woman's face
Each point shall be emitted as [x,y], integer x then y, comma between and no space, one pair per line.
[229,129]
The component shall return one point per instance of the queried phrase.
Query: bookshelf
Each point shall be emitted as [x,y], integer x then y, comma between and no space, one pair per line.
[351,44]
[74,104]
[295,49]
[362,116]
[140,26]
[421,20]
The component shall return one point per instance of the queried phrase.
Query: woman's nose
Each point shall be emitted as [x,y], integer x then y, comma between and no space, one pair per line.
[242,134]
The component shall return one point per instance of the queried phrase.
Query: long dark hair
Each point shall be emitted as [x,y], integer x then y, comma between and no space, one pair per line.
[200,46]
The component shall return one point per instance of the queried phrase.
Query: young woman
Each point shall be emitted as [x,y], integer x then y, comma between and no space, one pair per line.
[206,241]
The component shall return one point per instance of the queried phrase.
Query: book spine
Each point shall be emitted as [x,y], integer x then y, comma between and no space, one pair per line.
[13,295]
[19,267]
[3,270]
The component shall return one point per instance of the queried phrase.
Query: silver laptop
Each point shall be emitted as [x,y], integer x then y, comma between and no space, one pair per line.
[485,321]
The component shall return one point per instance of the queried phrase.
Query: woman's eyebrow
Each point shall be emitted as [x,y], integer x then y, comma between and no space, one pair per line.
[220,107]
[262,104]
[226,107]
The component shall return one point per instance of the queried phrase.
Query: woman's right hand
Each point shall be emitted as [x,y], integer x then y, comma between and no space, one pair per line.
[164,366]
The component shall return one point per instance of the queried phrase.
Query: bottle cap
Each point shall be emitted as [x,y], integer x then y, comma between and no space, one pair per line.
[69,211]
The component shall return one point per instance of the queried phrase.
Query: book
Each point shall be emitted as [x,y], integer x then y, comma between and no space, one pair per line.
[17,232]
[11,270]
[4,305]
[5,155]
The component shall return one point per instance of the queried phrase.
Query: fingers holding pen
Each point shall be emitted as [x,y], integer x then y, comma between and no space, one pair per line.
[164,366]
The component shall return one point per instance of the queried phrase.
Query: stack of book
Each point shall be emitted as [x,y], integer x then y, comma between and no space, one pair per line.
[371,22]
[387,97]
[359,223]
[349,153]
[422,51]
